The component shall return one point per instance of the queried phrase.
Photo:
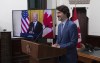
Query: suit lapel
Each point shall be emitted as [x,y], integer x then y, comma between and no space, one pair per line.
[65,27]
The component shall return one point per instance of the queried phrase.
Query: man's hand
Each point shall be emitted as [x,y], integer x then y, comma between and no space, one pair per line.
[56,45]
[31,32]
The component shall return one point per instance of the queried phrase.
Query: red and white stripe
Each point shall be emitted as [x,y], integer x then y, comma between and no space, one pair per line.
[24,25]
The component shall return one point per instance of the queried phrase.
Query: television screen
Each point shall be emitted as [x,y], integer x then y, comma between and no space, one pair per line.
[23,23]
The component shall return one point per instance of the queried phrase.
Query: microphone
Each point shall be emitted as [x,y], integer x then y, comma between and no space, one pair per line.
[40,33]
[89,47]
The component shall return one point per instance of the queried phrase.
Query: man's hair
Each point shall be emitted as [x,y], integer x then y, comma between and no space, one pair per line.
[64,9]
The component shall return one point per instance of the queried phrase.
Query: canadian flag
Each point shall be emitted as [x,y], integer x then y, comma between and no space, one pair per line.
[76,21]
[48,24]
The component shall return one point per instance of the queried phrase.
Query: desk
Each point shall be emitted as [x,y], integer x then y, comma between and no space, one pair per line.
[88,58]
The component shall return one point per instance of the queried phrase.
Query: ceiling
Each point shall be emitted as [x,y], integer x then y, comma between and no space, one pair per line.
[79,1]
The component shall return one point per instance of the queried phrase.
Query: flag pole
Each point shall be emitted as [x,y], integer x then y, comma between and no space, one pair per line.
[75,3]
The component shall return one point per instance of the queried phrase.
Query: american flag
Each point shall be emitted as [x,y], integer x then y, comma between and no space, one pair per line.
[24,21]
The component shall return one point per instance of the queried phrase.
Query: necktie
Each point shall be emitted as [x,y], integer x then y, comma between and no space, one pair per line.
[61,28]
[32,27]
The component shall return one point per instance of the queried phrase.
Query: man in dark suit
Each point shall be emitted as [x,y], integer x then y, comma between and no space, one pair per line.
[67,36]
[35,28]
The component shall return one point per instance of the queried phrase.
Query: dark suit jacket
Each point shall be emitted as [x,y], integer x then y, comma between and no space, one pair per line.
[38,30]
[68,39]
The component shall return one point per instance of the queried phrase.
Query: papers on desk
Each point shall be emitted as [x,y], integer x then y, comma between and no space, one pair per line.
[94,53]
[30,36]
